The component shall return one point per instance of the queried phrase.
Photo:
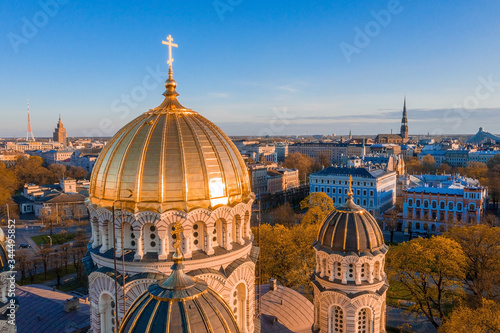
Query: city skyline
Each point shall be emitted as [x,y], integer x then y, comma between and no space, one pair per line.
[253,68]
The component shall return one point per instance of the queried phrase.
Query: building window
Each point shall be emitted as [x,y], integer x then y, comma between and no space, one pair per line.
[327,190]
[358,192]
[364,321]
[315,189]
[459,206]
[371,193]
[434,205]
[417,203]
[450,206]
[442,205]
[364,192]
[336,320]
[410,202]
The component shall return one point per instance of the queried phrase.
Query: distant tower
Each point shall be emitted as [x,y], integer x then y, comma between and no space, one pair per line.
[350,135]
[60,134]
[404,124]
[30,132]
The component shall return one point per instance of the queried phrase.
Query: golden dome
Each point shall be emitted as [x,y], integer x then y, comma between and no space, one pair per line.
[350,229]
[170,157]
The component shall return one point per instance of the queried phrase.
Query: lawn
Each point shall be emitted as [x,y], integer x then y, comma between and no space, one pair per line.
[51,275]
[56,238]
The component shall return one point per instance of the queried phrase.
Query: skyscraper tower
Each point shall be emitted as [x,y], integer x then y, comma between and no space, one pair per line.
[29,132]
[404,124]
[60,135]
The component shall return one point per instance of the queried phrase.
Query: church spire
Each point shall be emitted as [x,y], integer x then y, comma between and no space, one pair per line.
[404,123]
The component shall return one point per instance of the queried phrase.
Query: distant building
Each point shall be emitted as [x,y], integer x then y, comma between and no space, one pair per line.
[482,137]
[67,198]
[258,178]
[482,155]
[85,158]
[400,138]
[457,158]
[60,135]
[24,146]
[281,151]
[374,188]
[58,157]
[281,179]
[442,201]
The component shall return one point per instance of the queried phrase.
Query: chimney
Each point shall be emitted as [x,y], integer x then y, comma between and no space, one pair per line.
[273,284]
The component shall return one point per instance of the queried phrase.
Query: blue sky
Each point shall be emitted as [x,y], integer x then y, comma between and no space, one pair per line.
[253,67]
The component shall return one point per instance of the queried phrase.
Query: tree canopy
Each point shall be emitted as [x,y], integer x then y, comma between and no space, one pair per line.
[431,271]
[318,205]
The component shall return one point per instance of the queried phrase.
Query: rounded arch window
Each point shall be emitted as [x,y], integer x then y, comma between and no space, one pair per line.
[152,228]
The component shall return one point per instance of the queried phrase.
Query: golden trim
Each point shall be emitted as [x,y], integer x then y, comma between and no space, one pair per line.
[214,308]
[153,315]
[188,325]
[169,316]
[204,315]
[138,315]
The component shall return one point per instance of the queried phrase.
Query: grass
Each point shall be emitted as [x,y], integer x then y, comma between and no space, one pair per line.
[56,238]
[51,275]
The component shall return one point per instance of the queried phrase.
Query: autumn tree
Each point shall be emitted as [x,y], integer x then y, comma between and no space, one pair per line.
[476,170]
[286,254]
[429,163]
[58,170]
[324,160]
[284,214]
[31,171]
[414,166]
[481,245]
[431,271]
[444,168]
[301,162]
[77,172]
[318,205]
[493,162]
[8,184]
[464,319]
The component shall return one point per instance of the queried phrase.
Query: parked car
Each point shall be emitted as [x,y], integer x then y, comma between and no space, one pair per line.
[24,246]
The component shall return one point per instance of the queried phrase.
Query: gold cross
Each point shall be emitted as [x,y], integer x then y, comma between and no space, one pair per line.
[170,45]
[350,184]
[177,230]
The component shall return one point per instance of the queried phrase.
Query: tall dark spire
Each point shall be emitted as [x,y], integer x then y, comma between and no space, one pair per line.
[404,123]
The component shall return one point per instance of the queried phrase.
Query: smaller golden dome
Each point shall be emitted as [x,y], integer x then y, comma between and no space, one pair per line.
[180,304]
[350,229]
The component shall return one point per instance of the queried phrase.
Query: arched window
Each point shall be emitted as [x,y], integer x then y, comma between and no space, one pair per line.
[434,204]
[95,233]
[237,229]
[338,270]
[442,205]
[450,205]
[129,241]
[239,305]
[150,238]
[199,234]
[417,202]
[459,206]
[364,321]
[426,203]
[350,272]
[217,234]
[410,202]
[336,320]
[365,268]
[107,308]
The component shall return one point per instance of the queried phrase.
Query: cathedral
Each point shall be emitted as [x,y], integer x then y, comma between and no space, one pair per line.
[400,138]
[172,249]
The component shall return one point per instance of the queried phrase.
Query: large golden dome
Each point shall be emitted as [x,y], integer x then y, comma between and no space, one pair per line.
[170,157]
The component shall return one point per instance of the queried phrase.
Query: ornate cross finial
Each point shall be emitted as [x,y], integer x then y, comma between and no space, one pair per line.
[177,230]
[170,45]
